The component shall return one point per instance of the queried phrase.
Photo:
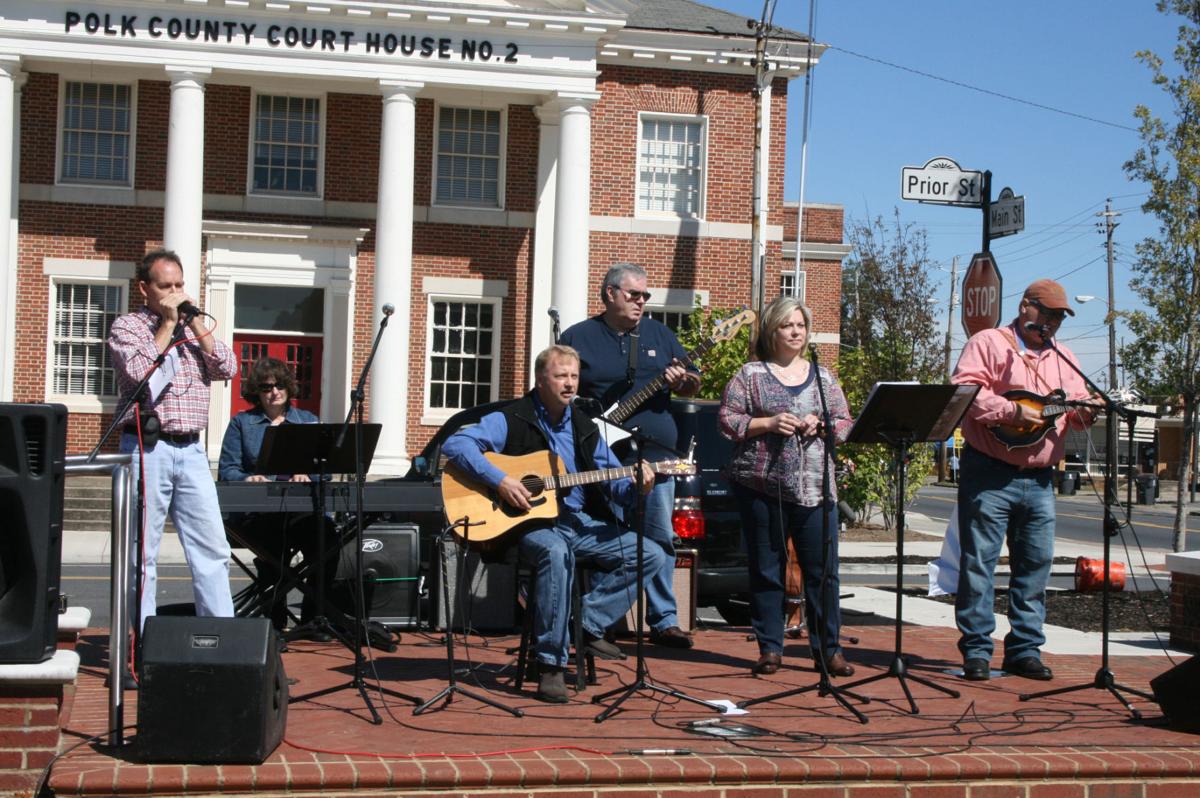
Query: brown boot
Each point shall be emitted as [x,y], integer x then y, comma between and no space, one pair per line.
[837,665]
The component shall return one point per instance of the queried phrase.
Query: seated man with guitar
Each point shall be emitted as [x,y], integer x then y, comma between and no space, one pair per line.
[490,495]
[1015,434]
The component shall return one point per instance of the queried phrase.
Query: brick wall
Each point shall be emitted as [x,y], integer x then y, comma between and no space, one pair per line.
[823,225]
[226,138]
[29,730]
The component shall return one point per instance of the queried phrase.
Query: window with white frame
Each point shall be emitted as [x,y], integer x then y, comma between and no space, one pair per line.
[671,166]
[286,147]
[469,152]
[789,287]
[674,318]
[83,314]
[463,351]
[97,120]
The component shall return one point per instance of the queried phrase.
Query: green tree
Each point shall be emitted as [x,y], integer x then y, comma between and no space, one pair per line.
[1166,352]
[888,334]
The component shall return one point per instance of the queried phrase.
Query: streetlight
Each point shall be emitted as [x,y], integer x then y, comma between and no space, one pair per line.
[1112,337]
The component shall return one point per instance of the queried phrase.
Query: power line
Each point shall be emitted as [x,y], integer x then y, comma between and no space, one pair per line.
[984,91]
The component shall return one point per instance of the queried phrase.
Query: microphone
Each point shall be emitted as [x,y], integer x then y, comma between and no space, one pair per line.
[1040,329]
[388,308]
[588,406]
[553,311]
[187,310]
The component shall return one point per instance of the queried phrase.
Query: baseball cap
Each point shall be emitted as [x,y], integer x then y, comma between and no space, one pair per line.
[1049,295]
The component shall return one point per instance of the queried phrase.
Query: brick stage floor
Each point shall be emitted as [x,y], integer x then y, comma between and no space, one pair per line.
[985,744]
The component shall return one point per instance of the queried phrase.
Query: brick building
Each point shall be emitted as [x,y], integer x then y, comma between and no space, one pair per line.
[472,164]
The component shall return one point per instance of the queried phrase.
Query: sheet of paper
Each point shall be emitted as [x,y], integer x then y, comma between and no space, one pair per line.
[165,373]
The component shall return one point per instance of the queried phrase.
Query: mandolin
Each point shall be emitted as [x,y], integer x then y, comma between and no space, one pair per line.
[542,474]
[1051,406]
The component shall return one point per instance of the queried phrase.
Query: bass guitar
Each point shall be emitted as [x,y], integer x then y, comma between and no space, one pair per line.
[543,475]
[622,410]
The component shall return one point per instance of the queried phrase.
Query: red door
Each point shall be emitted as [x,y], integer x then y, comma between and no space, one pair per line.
[301,353]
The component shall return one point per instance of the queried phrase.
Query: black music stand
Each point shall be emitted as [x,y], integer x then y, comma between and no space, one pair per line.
[900,414]
[310,449]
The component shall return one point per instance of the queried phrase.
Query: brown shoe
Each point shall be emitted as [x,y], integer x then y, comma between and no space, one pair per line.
[671,637]
[837,666]
[767,664]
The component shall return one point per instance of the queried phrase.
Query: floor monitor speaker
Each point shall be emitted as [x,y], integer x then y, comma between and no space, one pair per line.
[211,690]
[391,574]
[33,445]
[1177,692]
[483,594]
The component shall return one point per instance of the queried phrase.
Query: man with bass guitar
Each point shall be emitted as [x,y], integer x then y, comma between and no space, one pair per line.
[623,354]
[1015,434]
[584,528]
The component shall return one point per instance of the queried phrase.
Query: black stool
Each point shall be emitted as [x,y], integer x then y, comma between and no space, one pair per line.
[585,663]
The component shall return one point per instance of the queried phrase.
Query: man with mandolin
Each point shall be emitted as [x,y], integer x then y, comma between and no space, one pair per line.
[1015,433]
[582,529]
[627,358]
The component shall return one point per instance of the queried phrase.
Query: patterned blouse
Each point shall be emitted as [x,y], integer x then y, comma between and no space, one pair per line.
[770,463]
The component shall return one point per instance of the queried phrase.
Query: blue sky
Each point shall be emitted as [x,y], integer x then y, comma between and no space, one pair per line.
[868,120]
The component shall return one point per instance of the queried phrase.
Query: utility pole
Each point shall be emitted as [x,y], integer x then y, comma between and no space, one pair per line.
[942,458]
[757,250]
[1109,215]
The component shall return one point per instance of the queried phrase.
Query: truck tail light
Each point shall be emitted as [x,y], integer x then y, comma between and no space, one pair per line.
[687,520]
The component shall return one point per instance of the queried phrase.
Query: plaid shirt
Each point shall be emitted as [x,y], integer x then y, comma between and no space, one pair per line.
[778,465]
[182,407]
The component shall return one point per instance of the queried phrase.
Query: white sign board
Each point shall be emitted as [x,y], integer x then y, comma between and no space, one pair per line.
[1006,215]
[943,182]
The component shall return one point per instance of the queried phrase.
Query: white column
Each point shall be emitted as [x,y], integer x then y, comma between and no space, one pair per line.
[391,372]
[572,207]
[185,171]
[540,328]
[10,78]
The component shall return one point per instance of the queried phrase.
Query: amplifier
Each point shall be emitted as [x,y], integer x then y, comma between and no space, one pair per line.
[483,594]
[391,574]
[684,586]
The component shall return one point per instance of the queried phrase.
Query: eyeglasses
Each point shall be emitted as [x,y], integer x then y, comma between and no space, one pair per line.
[1053,315]
[634,296]
[267,387]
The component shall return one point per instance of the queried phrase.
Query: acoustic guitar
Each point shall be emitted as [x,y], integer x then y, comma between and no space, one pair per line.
[543,475]
[1050,406]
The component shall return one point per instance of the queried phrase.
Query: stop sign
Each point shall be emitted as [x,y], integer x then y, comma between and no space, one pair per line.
[981,294]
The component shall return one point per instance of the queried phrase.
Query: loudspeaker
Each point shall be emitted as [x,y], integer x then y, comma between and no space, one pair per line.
[211,690]
[1177,692]
[683,584]
[391,574]
[489,589]
[33,445]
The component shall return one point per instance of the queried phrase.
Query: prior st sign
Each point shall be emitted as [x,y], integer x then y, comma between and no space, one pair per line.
[943,182]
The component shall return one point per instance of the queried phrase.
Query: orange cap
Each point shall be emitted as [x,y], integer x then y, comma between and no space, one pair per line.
[1049,295]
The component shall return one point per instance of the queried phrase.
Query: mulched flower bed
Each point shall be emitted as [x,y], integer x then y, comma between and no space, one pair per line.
[1127,612]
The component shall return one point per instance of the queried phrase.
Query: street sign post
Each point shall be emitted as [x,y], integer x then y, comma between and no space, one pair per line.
[981,294]
[941,181]
[1006,215]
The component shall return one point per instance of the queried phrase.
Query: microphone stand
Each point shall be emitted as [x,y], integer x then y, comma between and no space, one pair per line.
[640,684]
[1104,678]
[816,630]
[356,411]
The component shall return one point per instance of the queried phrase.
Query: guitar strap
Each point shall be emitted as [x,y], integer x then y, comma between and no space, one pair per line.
[631,369]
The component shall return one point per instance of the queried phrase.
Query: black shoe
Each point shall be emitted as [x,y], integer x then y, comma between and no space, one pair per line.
[671,637]
[977,669]
[552,687]
[1029,668]
[599,647]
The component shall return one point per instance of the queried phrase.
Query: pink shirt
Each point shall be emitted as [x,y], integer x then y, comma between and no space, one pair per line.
[998,361]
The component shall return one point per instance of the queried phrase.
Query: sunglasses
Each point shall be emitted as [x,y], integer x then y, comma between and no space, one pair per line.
[267,387]
[634,296]
[1054,315]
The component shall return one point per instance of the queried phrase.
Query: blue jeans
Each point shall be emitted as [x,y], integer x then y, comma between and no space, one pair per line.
[553,552]
[998,501]
[180,484]
[660,583]
[765,519]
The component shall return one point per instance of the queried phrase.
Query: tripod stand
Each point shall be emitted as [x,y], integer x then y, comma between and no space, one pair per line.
[1104,678]
[640,683]
[899,415]
[452,687]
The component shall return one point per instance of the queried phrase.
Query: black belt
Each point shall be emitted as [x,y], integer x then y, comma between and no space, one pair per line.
[182,438]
